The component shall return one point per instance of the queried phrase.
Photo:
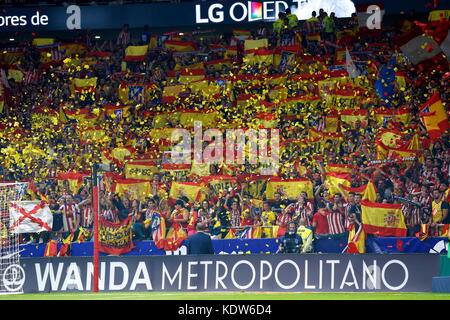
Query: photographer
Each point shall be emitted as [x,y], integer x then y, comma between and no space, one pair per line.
[291,241]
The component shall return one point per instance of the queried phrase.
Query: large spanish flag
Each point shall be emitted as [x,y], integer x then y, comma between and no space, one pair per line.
[255,44]
[188,117]
[135,53]
[74,180]
[133,188]
[191,190]
[351,116]
[333,179]
[356,240]
[85,85]
[291,188]
[434,117]
[383,219]
[367,191]
[190,75]
[382,115]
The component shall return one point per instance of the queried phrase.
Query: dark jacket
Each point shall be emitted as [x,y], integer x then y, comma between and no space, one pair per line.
[200,243]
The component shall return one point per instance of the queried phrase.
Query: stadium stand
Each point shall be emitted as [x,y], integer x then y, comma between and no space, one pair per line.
[362,117]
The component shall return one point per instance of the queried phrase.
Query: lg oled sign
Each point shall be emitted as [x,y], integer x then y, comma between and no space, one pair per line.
[268,10]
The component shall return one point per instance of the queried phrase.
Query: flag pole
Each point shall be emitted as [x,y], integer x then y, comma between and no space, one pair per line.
[95,203]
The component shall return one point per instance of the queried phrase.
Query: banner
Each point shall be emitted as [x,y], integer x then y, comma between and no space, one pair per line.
[237,272]
[139,169]
[115,238]
[29,217]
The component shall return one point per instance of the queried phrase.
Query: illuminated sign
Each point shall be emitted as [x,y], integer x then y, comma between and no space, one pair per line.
[239,11]
[268,10]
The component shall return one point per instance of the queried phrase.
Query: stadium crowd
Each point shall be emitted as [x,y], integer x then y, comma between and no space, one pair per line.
[347,119]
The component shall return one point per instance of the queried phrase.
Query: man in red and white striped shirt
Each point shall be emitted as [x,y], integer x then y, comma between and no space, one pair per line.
[335,218]
[70,213]
[87,214]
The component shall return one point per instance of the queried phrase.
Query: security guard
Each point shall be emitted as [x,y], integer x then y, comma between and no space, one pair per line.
[293,19]
[307,236]
[290,242]
[278,24]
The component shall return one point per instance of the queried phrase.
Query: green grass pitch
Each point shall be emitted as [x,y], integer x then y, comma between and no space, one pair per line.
[236,296]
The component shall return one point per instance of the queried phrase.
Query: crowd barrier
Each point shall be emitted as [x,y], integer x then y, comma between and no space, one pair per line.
[269,245]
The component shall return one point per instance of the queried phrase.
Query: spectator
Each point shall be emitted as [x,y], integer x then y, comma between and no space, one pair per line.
[320,222]
[200,242]
[307,235]
[124,37]
[290,242]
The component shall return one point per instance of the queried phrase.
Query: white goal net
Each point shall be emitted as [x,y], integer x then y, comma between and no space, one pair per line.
[11,273]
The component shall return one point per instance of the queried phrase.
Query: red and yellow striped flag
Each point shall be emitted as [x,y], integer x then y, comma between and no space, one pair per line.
[333,179]
[191,190]
[368,191]
[180,46]
[434,117]
[356,240]
[136,53]
[289,188]
[85,85]
[383,219]
[133,188]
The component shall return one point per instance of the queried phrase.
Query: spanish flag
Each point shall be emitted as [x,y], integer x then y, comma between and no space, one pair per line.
[250,45]
[208,119]
[231,52]
[266,120]
[218,64]
[434,117]
[382,115]
[43,41]
[291,188]
[171,93]
[439,15]
[91,135]
[383,219]
[78,115]
[85,85]
[241,32]
[190,75]
[119,154]
[74,179]
[352,116]
[180,46]
[16,74]
[333,179]
[133,188]
[72,49]
[191,190]
[331,123]
[205,87]
[332,167]
[367,191]
[136,53]
[356,239]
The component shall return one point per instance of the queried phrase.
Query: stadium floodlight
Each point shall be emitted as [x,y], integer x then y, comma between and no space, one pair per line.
[96,168]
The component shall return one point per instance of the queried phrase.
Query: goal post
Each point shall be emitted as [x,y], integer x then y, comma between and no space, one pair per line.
[12,276]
